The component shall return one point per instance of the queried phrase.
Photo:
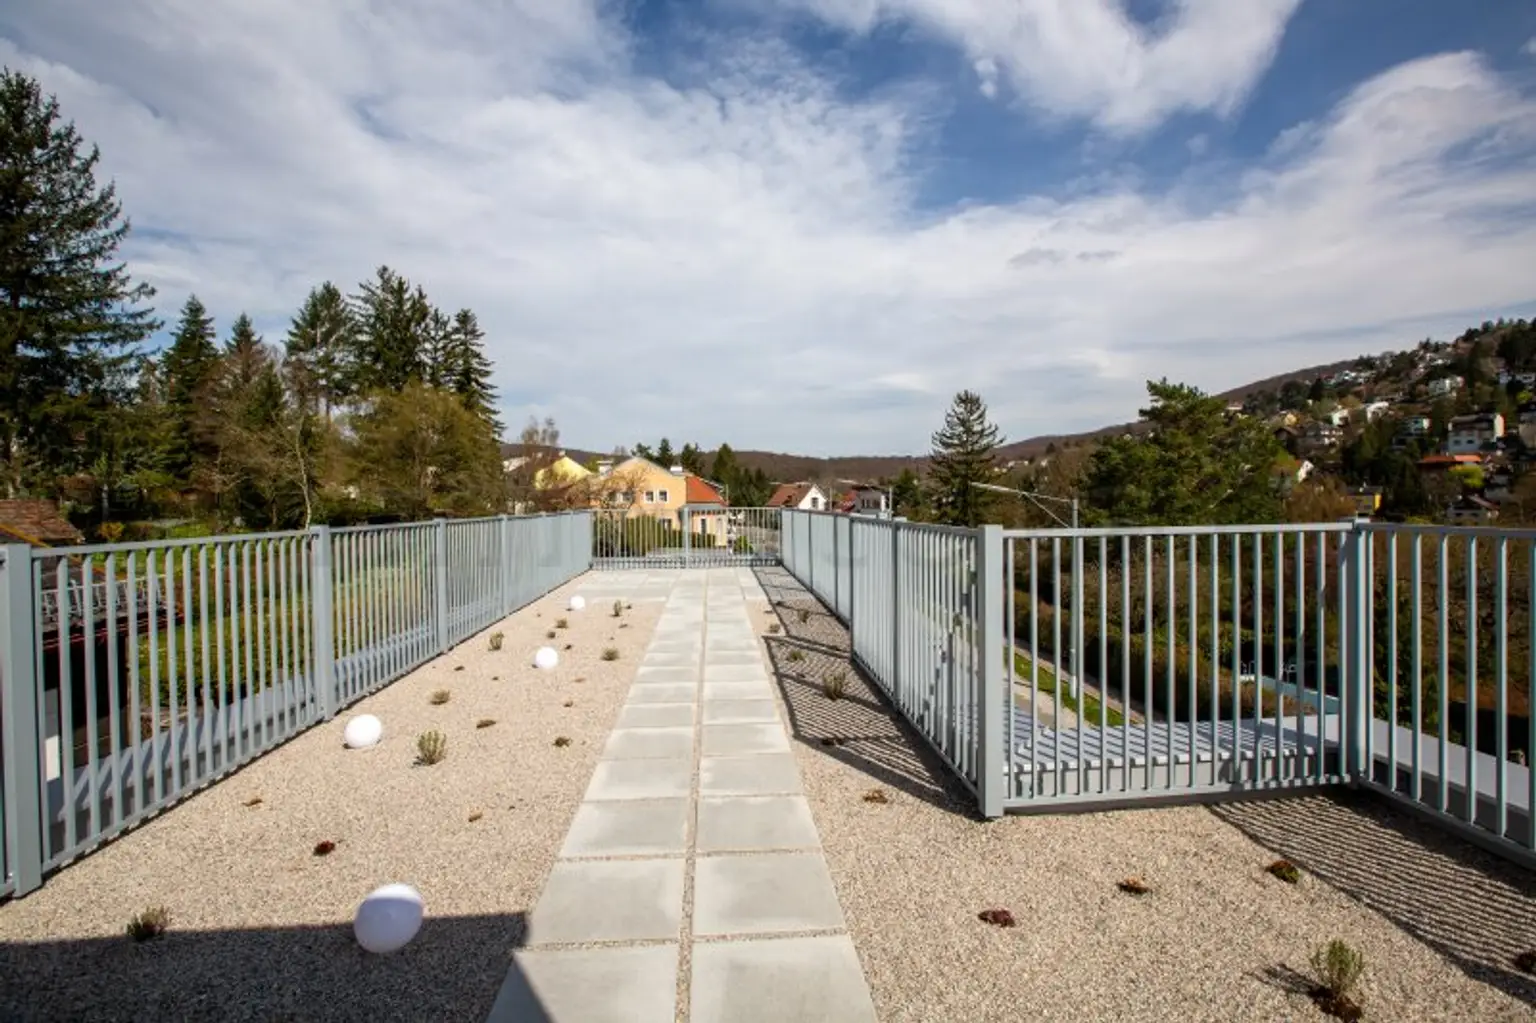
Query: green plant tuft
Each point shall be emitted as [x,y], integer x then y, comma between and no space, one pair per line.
[795,655]
[440,697]
[611,653]
[496,639]
[805,615]
[550,634]
[150,924]
[562,741]
[835,685]
[775,628]
[1338,967]
[562,623]
[431,748]
[1285,870]
[618,608]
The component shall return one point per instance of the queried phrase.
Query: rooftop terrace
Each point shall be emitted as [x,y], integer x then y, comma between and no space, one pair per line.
[709,844]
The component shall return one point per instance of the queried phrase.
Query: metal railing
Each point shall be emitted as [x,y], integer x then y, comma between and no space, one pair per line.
[689,537]
[1066,667]
[154,669]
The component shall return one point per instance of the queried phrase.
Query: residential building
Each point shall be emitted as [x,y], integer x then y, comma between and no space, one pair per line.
[564,471]
[38,523]
[1288,437]
[1441,463]
[803,496]
[1375,410]
[1338,417]
[1474,432]
[1367,501]
[870,501]
[1526,379]
[1499,485]
[645,488]
[1319,437]
[1471,511]
[1442,387]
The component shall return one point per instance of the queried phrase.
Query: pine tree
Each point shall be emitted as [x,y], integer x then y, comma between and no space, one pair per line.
[439,356]
[393,329]
[470,372]
[70,316]
[664,454]
[321,342]
[187,367]
[964,454]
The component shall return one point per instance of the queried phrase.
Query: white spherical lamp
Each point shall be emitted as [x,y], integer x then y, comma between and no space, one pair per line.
[578,603]
[363,731]
[546,658]
[388,918]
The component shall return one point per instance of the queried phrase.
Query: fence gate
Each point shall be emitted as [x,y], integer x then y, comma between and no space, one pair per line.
[690,537]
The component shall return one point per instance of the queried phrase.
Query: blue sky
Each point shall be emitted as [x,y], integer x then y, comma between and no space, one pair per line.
[804,224]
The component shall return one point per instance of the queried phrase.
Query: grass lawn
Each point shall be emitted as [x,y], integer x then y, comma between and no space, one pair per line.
[1048,686]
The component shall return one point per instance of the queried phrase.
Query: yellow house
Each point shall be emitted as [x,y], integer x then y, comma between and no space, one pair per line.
[642,487]
[562,472]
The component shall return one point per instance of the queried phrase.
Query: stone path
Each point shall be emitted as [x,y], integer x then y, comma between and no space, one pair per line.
[691,886]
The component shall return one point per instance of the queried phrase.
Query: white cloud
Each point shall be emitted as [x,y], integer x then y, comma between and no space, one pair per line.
[1529,47]
[741,260]
[1089,59]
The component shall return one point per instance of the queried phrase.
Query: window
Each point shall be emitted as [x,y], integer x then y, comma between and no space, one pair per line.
[650,497]
[661,495]
[815,503]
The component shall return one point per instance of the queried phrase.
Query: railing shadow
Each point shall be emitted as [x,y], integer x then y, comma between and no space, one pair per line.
[1475,909]
[451,971]
[860,729]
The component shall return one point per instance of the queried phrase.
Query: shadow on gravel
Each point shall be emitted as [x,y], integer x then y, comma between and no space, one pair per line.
[861,729]
[1473,908]
[451,971]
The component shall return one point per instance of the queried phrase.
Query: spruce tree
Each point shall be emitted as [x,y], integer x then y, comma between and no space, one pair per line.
[394,321]
[964,454]
[471,371]
[321,343]
[70,316]
[187,367]
[439,354]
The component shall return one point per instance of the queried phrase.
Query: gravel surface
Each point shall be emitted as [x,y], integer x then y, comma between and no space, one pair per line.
[1217,938]
[261,926]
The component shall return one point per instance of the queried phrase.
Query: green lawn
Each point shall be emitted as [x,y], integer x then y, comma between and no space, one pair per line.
[1048,687]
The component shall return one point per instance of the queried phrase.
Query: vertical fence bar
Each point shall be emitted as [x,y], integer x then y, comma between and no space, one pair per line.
[1355,646]
[322,637]
[992,694]
[19,699]
[440,582]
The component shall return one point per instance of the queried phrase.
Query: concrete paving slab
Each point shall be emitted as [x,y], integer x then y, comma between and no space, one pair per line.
[608,900]
[747,823]
[765,893]
[655,715]
[760,689]
[667,673]
[737,712]
[669,658]
[762,774]
[731,658]
[728,740]
[649,743]
[664,692]
[589,985]
[733,644]
[636,827]
[804,980]
[754,672]
[640,779]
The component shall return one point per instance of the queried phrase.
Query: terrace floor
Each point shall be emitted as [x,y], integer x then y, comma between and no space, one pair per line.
[708,846]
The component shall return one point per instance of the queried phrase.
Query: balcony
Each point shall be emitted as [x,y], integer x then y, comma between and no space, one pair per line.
[721,837]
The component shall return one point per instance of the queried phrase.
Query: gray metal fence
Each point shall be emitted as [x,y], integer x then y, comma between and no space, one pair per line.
[134,674]
[691,537]
[1057,668]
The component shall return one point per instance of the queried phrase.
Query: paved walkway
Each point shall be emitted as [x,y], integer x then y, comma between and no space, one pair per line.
[691,886]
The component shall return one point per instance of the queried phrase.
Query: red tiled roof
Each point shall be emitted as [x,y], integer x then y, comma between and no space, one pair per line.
[36,521]
[1446,461]
[700,492]
[789,495]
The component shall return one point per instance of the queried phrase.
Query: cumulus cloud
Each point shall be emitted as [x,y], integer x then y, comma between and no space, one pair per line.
[741,258]
[1090,59]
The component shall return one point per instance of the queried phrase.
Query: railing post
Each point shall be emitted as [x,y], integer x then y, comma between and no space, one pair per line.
[19,720]
[687,536]
[991,700]
[895,598]
[322,623]
[504,562]
[1355,633]
[440,581]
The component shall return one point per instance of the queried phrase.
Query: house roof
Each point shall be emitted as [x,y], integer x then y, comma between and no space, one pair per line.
[1446,461]
[701,492]
[36,522]
[789,495]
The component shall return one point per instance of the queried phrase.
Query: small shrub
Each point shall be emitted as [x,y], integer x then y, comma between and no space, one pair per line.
[997,918]
[569,645]
[150,924]
[1134,886]
[475,816]
[775,628]
[496,639]
[431,748]
[618,608]
[562,741]
[628,606]
[796,656]
[562,623]
[834,686]
[570,703]
[440,697]
[550,634]
[611,653]
[485,722]
[325,848]
[876,796]
[1285,870]
[253,801]
[458,667]
[1338,967]
[805,615]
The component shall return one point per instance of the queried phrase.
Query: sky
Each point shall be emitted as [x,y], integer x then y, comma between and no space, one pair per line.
[804,225]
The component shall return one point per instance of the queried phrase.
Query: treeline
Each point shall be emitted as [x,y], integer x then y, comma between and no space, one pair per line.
[375,405]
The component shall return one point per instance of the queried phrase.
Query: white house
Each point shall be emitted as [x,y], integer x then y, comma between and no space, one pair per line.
[802,496]
[1339,417]
[1472,433]
[1375,410]
[1443,386]
[870,501]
